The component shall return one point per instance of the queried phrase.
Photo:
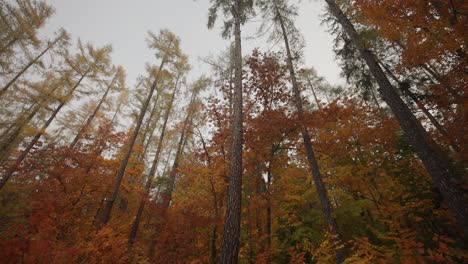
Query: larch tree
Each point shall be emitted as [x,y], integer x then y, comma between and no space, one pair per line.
[117,83]
[282,14]
[63,37]
[198,86]
[20,21]
[167,49]
[88,62]
[181,68]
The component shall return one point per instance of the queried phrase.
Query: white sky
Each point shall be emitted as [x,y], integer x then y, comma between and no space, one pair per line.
[124,24]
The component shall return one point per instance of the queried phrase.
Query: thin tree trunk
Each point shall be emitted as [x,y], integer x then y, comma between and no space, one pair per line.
[36,138]
[437,164]
[215,203]
[154,166]
[31,63]
[313,93]
[167,195]
[105,216]
[147,127]
[97,154]
[93,115]
[268,215]
[180,149]
[327,209]
[213,244]
[231,233]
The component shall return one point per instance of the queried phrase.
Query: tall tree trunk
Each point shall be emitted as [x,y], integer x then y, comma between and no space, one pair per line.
[313,93]
[231,233]
[93,115]
[154,167]
[167,196]
[443,173]
[327,209]
[97,153]
[38,135]
[423,108]
[104,217]
[146,137]
[31,63]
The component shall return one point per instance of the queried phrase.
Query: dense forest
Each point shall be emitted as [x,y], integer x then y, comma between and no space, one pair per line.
[259,160]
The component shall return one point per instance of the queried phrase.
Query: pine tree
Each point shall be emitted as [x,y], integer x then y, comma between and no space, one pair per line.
[237,11]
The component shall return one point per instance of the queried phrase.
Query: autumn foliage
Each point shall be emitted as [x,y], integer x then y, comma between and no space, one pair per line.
[383,198]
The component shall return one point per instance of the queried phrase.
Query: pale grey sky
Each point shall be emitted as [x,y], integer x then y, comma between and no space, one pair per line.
[124,24]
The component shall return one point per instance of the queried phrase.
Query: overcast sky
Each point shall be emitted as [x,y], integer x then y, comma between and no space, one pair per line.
[125,23]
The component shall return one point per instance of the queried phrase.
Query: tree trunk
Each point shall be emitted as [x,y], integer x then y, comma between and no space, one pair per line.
[327,209]
[423,108]
[36,138]
[92,116]
[231,233]
[144,141]
[313,93]
[215,203]
[106,212]
[31,63]
[167,197]
[151,174]
[437,164]
[268,215]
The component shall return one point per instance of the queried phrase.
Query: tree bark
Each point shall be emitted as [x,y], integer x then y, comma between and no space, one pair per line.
[443,173]
[327,209]
[231,233]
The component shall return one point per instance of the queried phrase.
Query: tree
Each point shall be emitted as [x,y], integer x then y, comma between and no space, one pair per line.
[86,64]
[237,10]
[63,37]
[20,23]
[167,49]
[196,88]
[437,164]
[281,14]
[181,67]
[119,77]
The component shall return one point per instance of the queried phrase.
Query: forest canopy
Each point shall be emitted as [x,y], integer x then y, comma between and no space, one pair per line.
[260,159]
